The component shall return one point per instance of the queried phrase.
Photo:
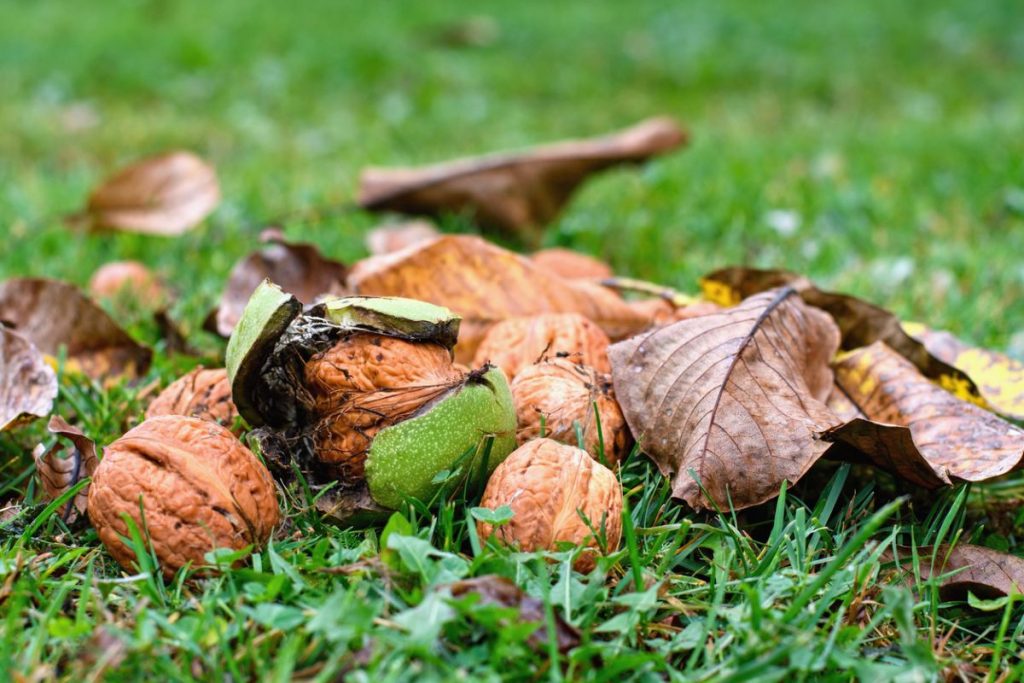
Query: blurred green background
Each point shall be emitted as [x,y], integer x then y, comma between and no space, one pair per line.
[876,146]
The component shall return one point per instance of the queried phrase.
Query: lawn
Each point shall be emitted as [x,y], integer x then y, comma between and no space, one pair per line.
[877,147]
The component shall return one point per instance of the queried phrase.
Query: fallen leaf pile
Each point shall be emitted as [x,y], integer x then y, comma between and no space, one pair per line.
[732,394]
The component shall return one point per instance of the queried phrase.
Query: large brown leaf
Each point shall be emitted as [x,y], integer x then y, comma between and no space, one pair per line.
[53,314]
[1000,379]
[733,400]
[515,193]
[161,195]
[860,322]
[983,571]
[299,269]
[28,386]
[485,284]
[58,472]
[916,429]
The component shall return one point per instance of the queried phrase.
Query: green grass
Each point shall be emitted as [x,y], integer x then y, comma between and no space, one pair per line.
[892,132]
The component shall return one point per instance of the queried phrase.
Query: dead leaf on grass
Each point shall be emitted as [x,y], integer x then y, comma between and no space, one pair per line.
[982,571]
[733,400]
[514,193]
[28,386]
[58,472]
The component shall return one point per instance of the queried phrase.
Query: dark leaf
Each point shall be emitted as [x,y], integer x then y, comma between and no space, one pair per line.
[54,314]
[515,193]
[58,471]
[28,386]
[732,400]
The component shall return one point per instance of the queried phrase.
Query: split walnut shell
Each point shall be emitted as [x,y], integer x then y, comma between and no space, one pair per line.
[201,393]
[553,397]
[551,488]
[516,343]
[188,483]
[362,396]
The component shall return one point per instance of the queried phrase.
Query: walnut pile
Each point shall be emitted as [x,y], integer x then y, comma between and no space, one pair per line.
[200,393]
[198,486]
[553,396]
[549,486]
[516,343]
[367,382]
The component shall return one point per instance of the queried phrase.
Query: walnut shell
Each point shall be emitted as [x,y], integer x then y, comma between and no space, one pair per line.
[200,393]
[200,489]
[367,382]
[571,264]
[548,485]
[557,394]
[128,280]
[662,312]
[516,343]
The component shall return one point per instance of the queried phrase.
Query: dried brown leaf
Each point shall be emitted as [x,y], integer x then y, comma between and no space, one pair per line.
[53,314]
[59,472]
[860,322]
[299,269]
[387,239]
[514,193]
[916,429]
[485,284]
[28,386]
[983,571]
[731,400]
[161,195]
[497,590]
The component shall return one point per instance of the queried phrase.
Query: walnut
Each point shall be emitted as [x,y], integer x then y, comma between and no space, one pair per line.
[516,343]
[201,393]
[555,395]
[571,264]
[198,487]
[662,312]
[128,280]
[367,382]
[549,486]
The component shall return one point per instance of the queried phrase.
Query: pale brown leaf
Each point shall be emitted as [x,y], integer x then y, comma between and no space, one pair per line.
[28,386]
[299,269]
[60,469]
[732,400]
[161,195]
[53,314]
[916,429]
[515,193]
[485,284]
[983,571]
[387,239]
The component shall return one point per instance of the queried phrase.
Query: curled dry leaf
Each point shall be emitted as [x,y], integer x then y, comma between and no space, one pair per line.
[967,568]
[1000,379]
[387,239]
[517,193]
[485,284]
[59,472]
[571,265]
[54,314]
[732,401]
[299,269]
[916,429]
[860,322]
[28,386]
[497,590]
[161,195]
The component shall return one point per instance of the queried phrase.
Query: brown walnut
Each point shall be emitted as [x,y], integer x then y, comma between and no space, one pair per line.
[128,280]
[549,486]
[661,312]
[516,343]
[198,486]
[367,382]
[553,396]
[571,265]
[201,393]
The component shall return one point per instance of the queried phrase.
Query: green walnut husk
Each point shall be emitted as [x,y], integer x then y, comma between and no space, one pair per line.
[468,429]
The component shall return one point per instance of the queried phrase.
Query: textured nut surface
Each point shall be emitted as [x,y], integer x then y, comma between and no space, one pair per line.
[516,343]
[367,382]
[571,264]
[546,483]
[199,486]
[558,393]
[127,279]
[200,393]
